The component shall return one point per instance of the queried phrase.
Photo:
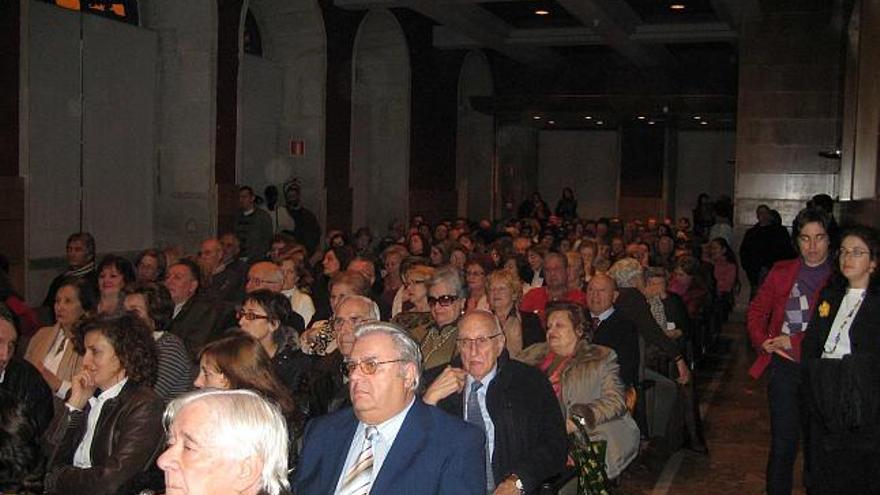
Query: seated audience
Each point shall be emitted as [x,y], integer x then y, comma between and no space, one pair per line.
[25,412]
[222,278]
[238,361]
[555,288]
[224,442]
[520,329]
[262,316]
[420,448]
[587,384]
[153,304]
[114,273]
[80,254]
[51,350]
[446,297]
[512,403]
[107,438]
[476,270]
[417,318]
[150,266]
[608,327]
[265,275]
[294,285]
[194,320]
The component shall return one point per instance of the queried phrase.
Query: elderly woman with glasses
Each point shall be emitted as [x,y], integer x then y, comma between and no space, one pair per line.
[841,362]
[446,298]
[417,320]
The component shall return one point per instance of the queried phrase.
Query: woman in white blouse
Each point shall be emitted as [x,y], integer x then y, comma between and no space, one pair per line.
[51,349]
[841,361]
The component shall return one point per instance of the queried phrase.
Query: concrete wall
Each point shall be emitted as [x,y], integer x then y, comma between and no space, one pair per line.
[517,149]
[474,140]
[703,166]
[586,161]
[185,132]
[260,97]
[103,95]
[788,108]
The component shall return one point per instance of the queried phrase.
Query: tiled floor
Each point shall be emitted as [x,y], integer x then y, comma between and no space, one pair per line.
[737,428]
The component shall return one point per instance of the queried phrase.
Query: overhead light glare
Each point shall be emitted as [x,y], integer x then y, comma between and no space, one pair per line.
[697,117]
[542,12]
[651,122]
[599,122]
[536,117]
[551,122]
[641,117]
[677,6]
[704,123]
[588,117]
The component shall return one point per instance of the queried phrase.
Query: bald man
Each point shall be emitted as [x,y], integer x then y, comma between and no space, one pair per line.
[611,329]
[265,275]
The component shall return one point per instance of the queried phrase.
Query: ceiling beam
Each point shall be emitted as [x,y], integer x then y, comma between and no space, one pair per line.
[733,12]
[615,22]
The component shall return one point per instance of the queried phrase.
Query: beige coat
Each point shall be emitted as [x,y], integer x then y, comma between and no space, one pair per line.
[591,381]
[39,347]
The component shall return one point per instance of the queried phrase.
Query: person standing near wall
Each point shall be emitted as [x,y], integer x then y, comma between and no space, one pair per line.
[253,226]
[777,319]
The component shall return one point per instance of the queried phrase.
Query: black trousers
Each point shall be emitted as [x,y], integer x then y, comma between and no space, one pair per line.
[785,425]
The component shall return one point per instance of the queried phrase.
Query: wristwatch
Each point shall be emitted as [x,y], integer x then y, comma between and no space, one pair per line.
[518,483]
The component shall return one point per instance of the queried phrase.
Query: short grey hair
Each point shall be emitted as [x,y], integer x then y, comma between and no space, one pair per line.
[627,272]
[407,349]
[375,314]
[450,276]
[246,424]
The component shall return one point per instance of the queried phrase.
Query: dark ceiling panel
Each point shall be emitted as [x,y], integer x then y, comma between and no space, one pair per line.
[658,11]
[521,15]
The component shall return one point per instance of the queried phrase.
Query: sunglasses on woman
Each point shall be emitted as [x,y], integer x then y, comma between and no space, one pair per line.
[443,301]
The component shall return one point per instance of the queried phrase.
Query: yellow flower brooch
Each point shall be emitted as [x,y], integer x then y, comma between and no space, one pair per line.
[824,309]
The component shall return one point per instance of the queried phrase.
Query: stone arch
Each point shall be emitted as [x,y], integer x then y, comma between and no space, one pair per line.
[380,122]
[282,99]
[475,140]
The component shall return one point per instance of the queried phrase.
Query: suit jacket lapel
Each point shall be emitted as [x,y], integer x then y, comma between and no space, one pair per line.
[410,441]
[344,437]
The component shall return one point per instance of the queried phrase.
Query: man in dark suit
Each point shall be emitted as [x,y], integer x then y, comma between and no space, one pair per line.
[195,321]
[611,329]
[513,402]
[389,442]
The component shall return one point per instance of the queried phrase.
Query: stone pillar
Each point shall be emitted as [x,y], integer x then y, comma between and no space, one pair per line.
[185,134]
[787,110]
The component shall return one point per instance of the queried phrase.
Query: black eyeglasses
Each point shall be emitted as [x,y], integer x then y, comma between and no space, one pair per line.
[249,315]
[479,341]
[367,366]
[443,301]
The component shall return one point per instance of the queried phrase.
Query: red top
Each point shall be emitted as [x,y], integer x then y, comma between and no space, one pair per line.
[767,312]
[535,301]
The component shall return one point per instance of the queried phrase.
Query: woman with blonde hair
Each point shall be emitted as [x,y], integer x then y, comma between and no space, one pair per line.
[521,328]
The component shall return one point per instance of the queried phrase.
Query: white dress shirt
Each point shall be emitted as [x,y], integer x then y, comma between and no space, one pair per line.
[82,458]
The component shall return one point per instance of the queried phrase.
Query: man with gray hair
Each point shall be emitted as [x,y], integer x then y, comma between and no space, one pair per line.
[224,442]
[350,451]
[328,390]
[512,402]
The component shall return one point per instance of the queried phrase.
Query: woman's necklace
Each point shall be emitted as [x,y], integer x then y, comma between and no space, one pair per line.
[844,325]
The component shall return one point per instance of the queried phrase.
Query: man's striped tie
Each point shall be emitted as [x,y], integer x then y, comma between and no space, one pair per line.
[360,477]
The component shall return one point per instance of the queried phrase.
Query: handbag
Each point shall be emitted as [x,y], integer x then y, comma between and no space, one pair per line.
[589,460]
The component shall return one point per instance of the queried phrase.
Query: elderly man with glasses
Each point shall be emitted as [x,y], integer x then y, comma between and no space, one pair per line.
[512,403]
[389,441]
